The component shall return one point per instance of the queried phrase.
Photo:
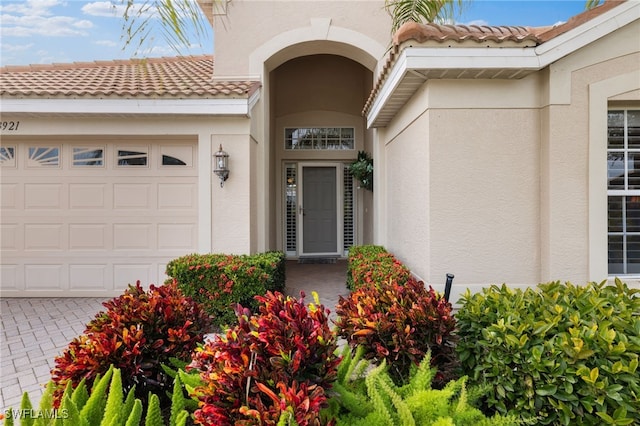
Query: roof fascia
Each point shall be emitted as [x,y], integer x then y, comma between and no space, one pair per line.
[127,106]
[532,58]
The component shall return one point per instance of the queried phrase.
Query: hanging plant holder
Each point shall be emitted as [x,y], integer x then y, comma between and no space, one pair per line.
[362,169]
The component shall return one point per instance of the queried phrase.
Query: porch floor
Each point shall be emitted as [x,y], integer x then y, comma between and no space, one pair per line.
[33,331]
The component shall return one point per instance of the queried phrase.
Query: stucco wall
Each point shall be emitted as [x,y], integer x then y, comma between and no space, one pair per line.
[497,180]
[249,25]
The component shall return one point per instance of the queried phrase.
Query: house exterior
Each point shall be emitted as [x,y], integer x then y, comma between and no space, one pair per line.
[501,154]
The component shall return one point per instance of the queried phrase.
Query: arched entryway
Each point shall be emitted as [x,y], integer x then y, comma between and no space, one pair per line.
[316,131]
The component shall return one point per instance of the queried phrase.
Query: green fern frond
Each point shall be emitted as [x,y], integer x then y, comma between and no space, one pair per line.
[344,365]
[73,416]
[80,394]
[403,412]
[421,379]
[128,404]
[136,414]
[154,414]
[93,410]
[377,399]
[182,418]
[443,421]
[25,406]
[46,402]
[114,400]
[355,403]
[177,401]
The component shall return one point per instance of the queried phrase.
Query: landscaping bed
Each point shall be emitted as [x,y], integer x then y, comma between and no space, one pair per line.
[558,354]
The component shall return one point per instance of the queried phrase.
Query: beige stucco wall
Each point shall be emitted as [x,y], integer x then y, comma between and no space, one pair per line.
[494,181]
[251,32]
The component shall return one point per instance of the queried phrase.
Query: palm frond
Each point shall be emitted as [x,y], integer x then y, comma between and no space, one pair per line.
[179,22]
[422,11]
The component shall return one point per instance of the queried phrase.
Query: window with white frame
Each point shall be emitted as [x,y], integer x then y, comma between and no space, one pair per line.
[623,191]
[322,138]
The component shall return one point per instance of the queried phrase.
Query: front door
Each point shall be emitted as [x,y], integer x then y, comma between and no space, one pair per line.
[319,210]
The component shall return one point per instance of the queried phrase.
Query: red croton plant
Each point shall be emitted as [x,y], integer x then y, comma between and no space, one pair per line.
[138,332]
[400,322]
[280,361]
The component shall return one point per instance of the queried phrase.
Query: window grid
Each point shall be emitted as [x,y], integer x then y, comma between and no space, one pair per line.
[623,228]
[319,138]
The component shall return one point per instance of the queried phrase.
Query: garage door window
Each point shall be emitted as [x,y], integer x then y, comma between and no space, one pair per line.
[88,157]
[8,156]
[133,157]
[48,156]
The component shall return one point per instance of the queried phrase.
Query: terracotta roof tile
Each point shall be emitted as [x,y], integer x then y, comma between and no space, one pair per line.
[465,34]
[183,77]
[462,33]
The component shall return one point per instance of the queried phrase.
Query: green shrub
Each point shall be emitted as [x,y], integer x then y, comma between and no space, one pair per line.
[138,332]
[366,396]
[399,322]
[370,263]
[219,281]
[566,354]
[105,405]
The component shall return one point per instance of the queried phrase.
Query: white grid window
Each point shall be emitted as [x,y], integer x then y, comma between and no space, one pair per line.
[623,172]
[321,138]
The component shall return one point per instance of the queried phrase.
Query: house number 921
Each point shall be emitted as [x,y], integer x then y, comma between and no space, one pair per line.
[10,126]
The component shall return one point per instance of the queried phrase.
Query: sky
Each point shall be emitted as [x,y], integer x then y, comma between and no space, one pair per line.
[61,31]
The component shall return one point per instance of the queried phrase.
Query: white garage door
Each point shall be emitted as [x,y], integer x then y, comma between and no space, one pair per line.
[86,219]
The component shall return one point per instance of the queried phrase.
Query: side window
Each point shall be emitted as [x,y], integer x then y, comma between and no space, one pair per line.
[623,191]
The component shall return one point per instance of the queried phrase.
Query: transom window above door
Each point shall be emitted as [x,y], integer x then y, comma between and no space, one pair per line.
[319,138]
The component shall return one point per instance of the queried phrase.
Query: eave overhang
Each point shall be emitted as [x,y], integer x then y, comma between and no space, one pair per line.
[415,64]
[134,107]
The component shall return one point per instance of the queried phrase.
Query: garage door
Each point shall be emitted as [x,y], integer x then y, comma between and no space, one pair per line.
[87,218]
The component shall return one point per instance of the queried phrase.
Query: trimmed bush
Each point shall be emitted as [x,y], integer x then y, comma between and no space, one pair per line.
[272,367]
[564,354]
[138,332]
[219,281]
[369,263]
[400,323]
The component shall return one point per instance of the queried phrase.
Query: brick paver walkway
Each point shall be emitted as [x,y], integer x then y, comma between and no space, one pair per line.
[34,330]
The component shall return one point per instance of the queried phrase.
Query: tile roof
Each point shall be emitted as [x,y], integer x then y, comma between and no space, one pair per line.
[436,35]
[462,33]
[179,77]
[499,34]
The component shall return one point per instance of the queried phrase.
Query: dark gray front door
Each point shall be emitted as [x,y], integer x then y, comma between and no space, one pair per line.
[319,210]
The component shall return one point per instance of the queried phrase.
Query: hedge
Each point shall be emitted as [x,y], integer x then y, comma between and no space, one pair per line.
[220,281]
[371,263]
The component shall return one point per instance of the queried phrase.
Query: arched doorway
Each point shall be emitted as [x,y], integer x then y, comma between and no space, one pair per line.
[317,129]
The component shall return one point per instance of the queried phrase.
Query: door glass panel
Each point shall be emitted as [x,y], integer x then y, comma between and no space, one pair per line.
[616,259]
[615,214]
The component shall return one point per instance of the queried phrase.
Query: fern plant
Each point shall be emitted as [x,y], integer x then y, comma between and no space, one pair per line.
[105,405]
[365,395]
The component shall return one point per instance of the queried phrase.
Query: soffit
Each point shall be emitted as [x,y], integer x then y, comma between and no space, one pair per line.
[430,51]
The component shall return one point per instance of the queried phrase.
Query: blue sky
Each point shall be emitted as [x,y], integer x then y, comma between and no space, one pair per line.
[48,31]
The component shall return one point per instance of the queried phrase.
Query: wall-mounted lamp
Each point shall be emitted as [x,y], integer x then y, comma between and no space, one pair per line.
[221,165]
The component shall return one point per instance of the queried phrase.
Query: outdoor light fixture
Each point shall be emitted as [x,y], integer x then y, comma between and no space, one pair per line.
[221,165]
